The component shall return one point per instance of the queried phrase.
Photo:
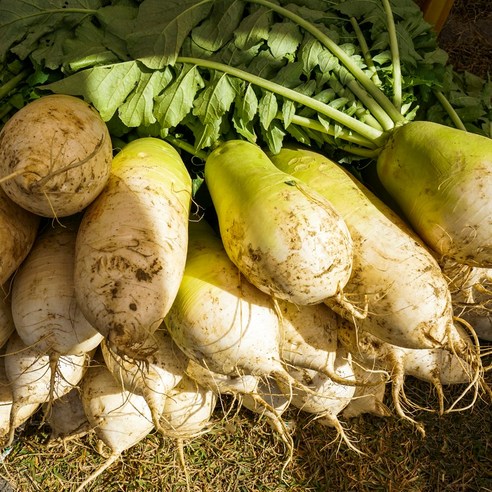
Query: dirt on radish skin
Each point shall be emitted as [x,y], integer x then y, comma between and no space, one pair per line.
[131,245]
[18,230]
[55,155]
[44,309]
[32,378]
[120,418]
[285,238]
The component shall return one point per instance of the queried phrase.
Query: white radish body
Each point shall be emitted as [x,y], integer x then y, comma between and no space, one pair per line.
[221,383]
[6,401]
[6,322]
[55,155]
[131,245]
[18,229]
[441,178]
[471,294]
[309,337]
[188,410]
[120,418]
[368,396]
[219,319]
[32,380]
[284,237]
[394,276]
[44,309]
[326,398]
[66,417]
[152,377]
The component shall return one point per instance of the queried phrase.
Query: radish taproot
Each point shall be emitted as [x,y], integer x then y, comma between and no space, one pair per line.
[441,178]
[326,398]
[152,377]
[131,244]
[33,382]
[44,309]
[471,295]
[285,238]
[120,418]
[55,155]
[394,278]
[436,366]
[18,230]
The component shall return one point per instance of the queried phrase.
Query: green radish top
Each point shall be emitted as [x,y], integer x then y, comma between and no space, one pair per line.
[441,178]
[284,237]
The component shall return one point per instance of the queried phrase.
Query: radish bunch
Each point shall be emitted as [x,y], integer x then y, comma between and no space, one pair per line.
[308,294]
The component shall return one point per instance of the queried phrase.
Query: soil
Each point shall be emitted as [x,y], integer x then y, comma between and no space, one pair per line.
[467,36]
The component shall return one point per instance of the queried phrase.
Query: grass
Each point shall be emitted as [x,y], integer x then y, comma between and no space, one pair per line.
[242,454]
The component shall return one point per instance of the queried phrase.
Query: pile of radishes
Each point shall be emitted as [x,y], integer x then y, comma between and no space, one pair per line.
[310,292]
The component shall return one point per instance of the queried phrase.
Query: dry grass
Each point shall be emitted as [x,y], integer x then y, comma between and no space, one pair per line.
[242,454]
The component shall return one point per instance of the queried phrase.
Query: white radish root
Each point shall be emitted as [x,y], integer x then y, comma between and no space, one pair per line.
[131,244]
[120,418]
[18,230]
[31,379]
[55,155]
[152,377]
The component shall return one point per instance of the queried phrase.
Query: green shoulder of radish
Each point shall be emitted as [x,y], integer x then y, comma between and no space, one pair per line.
[55,155]
[132,242]
[441,178]
[284,237]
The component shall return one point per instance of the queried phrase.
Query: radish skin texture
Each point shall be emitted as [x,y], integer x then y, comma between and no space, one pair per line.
[6,321]
[55,155]
[44,309]
[441,178]
[285,238]
[120,418]
[471,294]
[6,400]
[18,230]
[368,396]
[188,410]
[31,379]
[408,299]
[152,377]
[131,245]
[218,318]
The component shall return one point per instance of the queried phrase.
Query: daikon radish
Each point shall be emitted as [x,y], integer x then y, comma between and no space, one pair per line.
[55,155]
[152,377]
[29,374]
[326,398]
[368,396]
[441,178]
[18,230]
[44,309]
[120,418]
[219,319]
[309,338]
[285,238]
[395,279]
[131,245]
